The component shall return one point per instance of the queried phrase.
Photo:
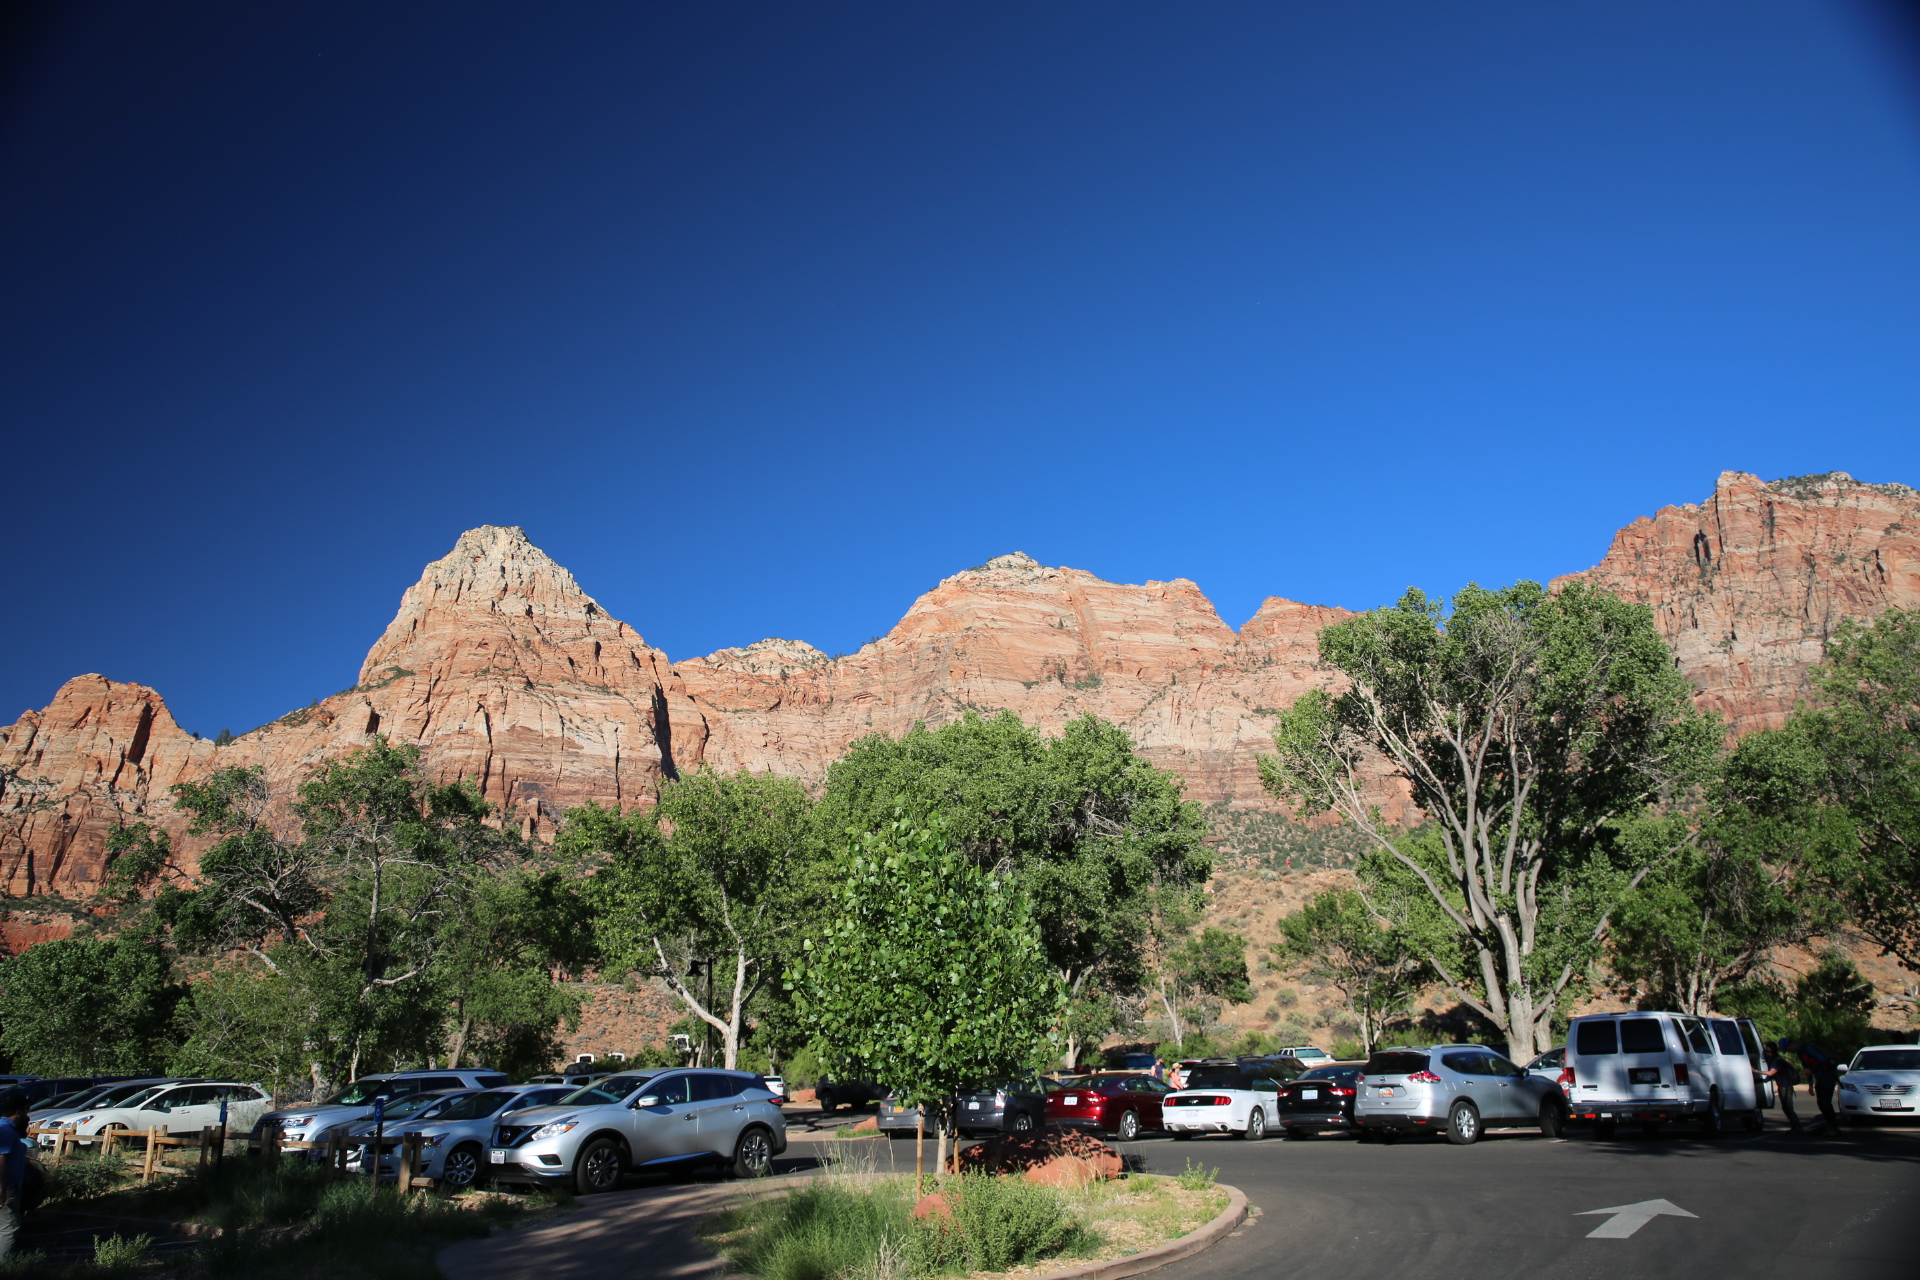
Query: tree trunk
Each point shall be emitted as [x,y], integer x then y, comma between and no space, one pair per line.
[460,1036]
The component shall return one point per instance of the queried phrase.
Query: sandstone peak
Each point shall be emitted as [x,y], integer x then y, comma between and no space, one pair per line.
[772,655]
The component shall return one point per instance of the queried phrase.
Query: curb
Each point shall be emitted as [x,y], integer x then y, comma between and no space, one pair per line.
[1160,1255]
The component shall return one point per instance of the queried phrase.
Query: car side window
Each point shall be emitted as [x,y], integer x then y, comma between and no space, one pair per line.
[1499,1066]
[710,1088]
[1641,1035]
[1696,1036]
[1467,1064]
[1728,1035]
[1158,1086]
[669,1091]
[167,1101]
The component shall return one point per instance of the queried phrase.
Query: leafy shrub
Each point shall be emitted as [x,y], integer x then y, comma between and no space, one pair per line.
[82,1177]
[818,1232]
[1197,1177]
[120,1253]
[1008,1222]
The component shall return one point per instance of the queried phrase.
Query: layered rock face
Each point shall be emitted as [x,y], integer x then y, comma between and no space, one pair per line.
[504,671]
[1748,585]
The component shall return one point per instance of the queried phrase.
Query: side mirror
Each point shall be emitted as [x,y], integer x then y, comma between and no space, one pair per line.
[649,1101]
[1842,1070]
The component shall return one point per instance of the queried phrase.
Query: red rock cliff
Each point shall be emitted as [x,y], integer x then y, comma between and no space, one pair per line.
[505,671]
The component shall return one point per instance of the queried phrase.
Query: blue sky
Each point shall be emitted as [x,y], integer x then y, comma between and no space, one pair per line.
[764,318]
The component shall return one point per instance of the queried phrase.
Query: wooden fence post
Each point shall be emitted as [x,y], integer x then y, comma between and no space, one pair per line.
[409,1151]
[153,1150]
[220,1144]
[206,1145]
[110,1144]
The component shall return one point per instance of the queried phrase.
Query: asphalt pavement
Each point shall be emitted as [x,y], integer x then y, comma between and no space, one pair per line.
[1517,1206]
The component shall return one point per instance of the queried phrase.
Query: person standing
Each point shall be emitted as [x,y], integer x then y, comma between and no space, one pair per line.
[13,1167]
[1824,1073]
[1784,1077]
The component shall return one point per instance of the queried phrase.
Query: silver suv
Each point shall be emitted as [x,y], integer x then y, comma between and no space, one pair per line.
[1460,1090]
[649,1119]
[316,1121]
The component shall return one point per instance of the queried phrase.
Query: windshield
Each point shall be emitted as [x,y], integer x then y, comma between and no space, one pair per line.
[476,1105]
[134,1099]
[419,1104]
[80,1099]
[361,1094]
[605,1092]
[1887,1060]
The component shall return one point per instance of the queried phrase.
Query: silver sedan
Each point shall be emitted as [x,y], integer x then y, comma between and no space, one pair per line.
[454,1137]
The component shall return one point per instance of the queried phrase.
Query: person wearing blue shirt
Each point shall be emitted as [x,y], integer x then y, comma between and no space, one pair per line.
[13,1166]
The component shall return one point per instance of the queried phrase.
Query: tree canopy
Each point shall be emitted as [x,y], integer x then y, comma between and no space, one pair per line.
[1533,730]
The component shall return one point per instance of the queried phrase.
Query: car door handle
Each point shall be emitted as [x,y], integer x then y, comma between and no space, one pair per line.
[739,1106]
[688,1116]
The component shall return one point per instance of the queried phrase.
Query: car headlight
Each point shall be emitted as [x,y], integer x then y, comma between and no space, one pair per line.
[82,1120]
[553,1130]
[296,1122]
[1847,1088]
[433,1140]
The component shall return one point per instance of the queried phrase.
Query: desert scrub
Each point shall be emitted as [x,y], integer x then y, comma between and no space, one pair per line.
[826,1230]
[1197,1176]
[997,1223]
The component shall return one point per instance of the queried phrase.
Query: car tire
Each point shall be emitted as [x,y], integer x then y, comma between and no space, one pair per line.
[1463,1124]
[598,1167]
[753,1153]
[1256,1126]
[1553,1119]
[1714,1123]
[464,1168]
[826,1101]
[1129,1127]
[1022,1123]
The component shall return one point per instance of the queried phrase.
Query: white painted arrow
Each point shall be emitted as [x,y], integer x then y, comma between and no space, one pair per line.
[1629,1218]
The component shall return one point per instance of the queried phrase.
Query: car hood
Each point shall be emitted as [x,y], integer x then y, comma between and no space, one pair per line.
[334,1114]
[548,1114]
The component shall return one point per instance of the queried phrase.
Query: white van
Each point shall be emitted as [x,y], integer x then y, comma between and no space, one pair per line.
[1650,1068]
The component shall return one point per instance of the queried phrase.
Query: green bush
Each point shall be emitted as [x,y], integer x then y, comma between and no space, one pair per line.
[1008,1222]
[1197,1177]
[82,1177]
[818,1232]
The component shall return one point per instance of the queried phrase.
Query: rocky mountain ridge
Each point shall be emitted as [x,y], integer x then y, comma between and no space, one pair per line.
[505,671]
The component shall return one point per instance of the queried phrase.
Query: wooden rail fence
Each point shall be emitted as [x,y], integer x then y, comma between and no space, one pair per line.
[212,1142]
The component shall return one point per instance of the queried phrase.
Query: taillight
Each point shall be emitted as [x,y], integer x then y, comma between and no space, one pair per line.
[1338,1092]
[1425,1077]
[1679,1073]
[1000,1099]
[1566,1078]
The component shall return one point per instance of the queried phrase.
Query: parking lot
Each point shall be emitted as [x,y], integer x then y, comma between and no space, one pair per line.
[1519,1205]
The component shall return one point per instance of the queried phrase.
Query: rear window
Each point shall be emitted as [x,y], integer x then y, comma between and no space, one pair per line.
[1343,1075]
[1641,1035]
[1727,1035]
[1888,1060]
[1396,1064]
[1591,1039]
[1219,1078]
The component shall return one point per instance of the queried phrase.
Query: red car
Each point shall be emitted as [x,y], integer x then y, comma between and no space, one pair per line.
[1121,1105]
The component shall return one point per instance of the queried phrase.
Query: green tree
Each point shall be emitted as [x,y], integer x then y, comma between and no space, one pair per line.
[713,903]
[1337,940]
[1844,775]
[355,912]
[495,972]
[930,973]
[1199,972]
[1710,916]
[88,1006]
[1533,730]
[1098,840]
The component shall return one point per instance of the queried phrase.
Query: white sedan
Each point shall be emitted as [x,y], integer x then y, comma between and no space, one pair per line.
[184,1108]
[1882,1080]
[1241,1100]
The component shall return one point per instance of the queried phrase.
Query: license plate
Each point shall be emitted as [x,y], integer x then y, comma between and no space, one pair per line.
[973,1106]
[1309,1093]
[496,1157]
[1069,1101]
[1888,1105]
[1389,1093]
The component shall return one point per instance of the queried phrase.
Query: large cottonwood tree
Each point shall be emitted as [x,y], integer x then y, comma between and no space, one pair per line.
[1534,730]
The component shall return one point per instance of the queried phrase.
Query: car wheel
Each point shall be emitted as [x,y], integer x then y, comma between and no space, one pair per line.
[598,1167]
[1463,1124]
[1256,1126]
[1129,1126]
[1714,1123]
[1552,1119]
[753,1154]
[826,1101]
[462,1170]
[1022,1122]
